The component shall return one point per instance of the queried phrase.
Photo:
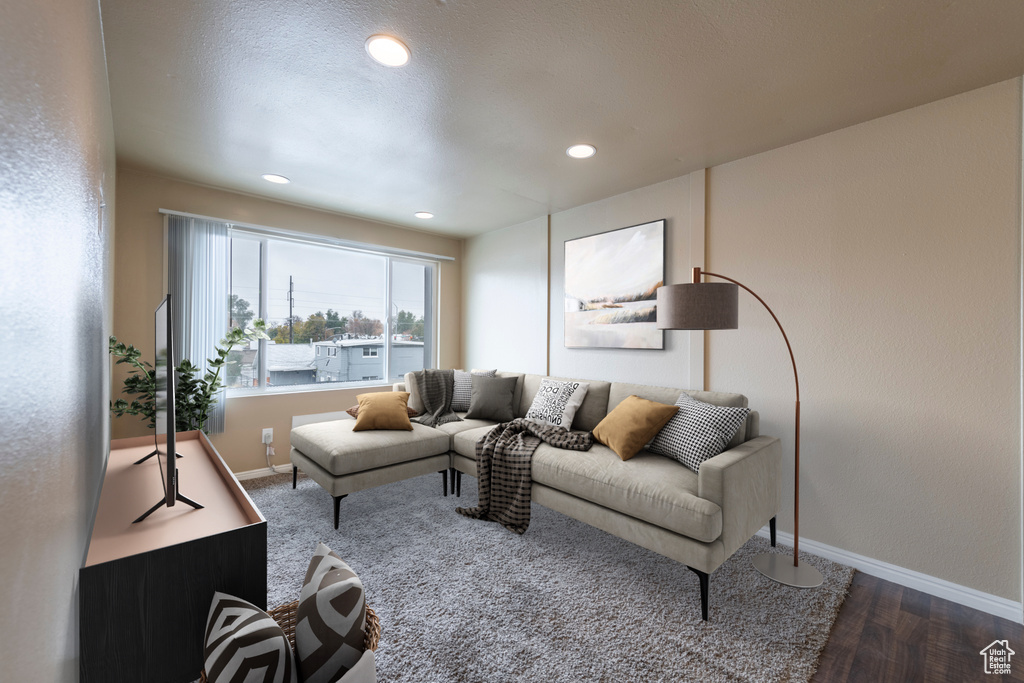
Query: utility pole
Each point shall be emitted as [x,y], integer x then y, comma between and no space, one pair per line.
[291,302]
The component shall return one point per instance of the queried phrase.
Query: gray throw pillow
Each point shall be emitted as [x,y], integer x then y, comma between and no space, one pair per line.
[492,399]
[462,392]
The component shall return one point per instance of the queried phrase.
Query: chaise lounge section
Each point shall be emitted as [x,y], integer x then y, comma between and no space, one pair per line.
[342,461]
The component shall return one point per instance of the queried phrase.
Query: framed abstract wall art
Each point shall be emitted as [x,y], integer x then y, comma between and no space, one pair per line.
[610,283]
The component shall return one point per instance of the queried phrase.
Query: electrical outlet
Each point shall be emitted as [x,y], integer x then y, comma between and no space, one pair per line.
[268,435]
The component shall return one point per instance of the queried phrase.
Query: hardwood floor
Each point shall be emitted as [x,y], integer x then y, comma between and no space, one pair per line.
[886,632]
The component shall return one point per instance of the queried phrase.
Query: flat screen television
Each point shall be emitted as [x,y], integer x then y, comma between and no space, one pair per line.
[164,395]
[164,385]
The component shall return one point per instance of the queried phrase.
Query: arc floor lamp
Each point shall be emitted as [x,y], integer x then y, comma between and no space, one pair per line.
[715,306]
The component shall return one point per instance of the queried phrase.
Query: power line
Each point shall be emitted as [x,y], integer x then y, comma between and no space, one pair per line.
[291,319]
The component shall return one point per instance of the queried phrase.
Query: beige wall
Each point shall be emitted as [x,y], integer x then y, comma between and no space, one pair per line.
[670,200]
[138,277]
[891,253]
[505,276]
[513,264]
[57,161]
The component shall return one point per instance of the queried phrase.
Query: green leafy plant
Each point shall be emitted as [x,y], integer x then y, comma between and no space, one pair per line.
[194,395]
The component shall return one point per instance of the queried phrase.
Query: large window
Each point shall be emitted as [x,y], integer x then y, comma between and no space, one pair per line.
[334,314]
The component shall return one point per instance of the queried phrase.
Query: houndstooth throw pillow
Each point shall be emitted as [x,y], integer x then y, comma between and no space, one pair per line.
[331,619]
[697,432]
[462,394]
[244,643]
[556,402]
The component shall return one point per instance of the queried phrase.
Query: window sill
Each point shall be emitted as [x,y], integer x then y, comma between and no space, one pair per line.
[308,388]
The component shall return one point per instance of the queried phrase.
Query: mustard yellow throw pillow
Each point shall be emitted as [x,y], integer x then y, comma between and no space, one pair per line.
[632,424]
[354,411]
[383,410]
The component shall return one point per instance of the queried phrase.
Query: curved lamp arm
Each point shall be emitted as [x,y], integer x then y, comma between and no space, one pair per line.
[697,273]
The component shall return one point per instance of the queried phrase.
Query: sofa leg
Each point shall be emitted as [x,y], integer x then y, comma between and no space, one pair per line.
[703,591]
[771,529]
[295,476]
[337,510]
[444,479]
[458,484]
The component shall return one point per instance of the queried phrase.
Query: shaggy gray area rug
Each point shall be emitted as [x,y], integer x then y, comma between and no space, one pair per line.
[465,600]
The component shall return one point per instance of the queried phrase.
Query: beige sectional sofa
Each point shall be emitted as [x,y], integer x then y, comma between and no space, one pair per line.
[651,500]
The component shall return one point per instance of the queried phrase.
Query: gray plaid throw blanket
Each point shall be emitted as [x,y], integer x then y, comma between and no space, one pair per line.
[436,388]
[503,459]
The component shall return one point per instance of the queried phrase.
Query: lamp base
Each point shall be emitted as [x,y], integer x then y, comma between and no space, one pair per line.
[780,568]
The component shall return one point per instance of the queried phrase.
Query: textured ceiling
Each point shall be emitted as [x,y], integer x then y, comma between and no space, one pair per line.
[475,128]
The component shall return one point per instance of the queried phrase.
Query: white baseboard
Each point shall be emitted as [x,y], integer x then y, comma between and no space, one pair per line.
[263,472]
[985,602]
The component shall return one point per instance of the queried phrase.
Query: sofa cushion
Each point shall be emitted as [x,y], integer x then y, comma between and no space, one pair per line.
[649,487]
[464,443]
[339,450]
[453,428]
[591,411]
[620,390]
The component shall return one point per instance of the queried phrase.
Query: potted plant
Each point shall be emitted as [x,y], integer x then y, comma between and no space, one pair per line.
[194,395]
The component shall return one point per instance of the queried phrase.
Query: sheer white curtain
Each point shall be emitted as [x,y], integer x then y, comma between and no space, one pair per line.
[198,273]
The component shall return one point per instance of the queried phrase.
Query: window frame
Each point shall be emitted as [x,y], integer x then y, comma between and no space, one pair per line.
[430,333]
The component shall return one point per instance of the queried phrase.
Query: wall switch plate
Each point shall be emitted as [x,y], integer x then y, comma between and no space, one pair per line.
[268,435]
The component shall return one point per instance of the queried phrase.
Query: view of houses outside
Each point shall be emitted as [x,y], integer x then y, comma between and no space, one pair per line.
[337,360]
[326,310]
[326,313]
[325,347]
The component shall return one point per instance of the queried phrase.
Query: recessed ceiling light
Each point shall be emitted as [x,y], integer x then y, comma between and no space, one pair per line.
[423,214]
[274,178]
[581,151]
[387,50]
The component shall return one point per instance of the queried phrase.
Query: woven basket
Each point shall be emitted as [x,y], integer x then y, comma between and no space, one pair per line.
[285,616]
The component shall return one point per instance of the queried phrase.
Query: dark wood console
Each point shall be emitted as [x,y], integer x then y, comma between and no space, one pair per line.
[146,588]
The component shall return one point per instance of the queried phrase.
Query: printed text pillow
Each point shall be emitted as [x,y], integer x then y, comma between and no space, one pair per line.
[557,401]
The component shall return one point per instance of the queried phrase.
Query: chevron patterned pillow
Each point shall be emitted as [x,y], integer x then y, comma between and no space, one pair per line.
[245,643]
[331,619]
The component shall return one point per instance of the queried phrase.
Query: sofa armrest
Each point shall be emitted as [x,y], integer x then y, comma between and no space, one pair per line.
[398,386]
[744,482]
